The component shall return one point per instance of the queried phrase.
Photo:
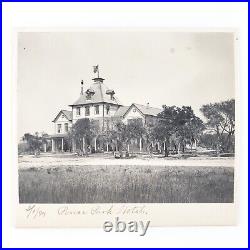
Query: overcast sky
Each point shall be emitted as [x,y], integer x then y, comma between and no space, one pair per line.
[156,67]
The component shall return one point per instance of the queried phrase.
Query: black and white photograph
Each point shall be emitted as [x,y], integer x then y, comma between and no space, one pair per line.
[126,116]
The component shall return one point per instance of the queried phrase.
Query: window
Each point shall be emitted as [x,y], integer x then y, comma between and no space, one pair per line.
[87,111]
[107,109]
[88,97]
[78,111]
[63,116]
[59,128]
[97,109]
[66,127]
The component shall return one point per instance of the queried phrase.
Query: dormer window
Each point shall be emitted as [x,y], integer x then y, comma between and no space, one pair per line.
[89,93]
[111,93]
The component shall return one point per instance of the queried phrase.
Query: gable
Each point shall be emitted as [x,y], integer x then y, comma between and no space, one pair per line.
[147,110]
[63,116]
[133,113]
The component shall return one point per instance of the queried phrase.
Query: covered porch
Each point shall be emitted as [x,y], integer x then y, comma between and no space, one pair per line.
[60,143]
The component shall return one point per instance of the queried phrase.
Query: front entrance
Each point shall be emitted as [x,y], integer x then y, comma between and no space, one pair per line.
[60,145]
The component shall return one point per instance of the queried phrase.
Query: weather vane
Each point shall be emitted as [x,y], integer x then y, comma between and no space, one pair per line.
[96,70]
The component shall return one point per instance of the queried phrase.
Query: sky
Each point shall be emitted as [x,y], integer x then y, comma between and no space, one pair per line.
[155,67]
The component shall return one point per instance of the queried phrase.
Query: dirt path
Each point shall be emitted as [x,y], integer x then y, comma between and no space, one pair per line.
[47,161]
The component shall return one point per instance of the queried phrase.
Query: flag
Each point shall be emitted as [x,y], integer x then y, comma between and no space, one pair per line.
[95,68]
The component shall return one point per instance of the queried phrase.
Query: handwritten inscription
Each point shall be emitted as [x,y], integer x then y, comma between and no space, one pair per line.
[99,210]
[64,210]
[103,210]
[132,210]
[34,212]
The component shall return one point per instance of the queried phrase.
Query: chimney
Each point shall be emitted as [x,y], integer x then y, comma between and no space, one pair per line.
[81,87]
[147,105]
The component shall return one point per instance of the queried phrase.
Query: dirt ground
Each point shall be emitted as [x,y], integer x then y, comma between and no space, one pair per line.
[66,159]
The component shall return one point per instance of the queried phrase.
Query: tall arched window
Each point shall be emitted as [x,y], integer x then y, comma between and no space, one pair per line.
[87,111]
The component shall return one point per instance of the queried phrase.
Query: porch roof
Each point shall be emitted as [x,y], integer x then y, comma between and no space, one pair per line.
[55,136]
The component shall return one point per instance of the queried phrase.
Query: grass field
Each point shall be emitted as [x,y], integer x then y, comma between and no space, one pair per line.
[126,183]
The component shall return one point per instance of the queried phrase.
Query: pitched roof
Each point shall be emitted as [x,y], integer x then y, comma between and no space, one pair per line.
[146,110]
[121,111]
[68,114]
[58,136]
[101,94]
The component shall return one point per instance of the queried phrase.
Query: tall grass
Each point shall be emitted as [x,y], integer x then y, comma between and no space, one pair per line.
[126,184]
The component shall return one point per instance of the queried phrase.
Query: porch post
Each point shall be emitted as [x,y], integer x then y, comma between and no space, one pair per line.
[53,145]
[164,145]
[140,144]
[195,144]
[73,145]
[179,146]
[107,146]
[83,144]
[128,147]
[158,145]
[62,144]
[44,147]
[95,145]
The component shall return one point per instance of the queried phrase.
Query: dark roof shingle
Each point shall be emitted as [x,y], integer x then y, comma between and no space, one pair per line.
[101,94]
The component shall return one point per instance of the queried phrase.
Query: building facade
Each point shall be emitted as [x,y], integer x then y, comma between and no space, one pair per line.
[99,103]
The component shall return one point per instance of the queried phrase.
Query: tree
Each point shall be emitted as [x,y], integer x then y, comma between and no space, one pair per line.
[150,135]
[119,134]
[106,136]
[134,130]
[177,126]
[208,141]
[221,120]
[84,129]
[167,126]
[189,127]
[161,132]
[191,130]
[44,139]
[34,142]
